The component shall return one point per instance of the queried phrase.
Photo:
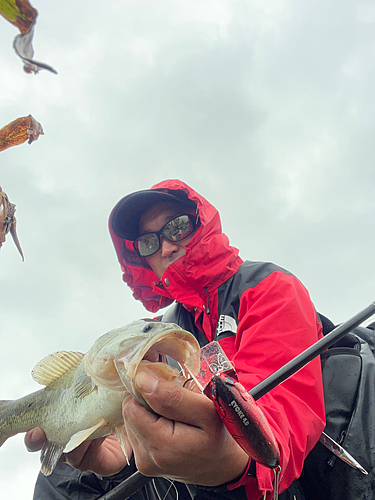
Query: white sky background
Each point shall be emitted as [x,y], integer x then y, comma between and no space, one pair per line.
[265,107]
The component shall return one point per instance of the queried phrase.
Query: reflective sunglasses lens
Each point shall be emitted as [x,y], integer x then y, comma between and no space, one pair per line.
[147,244]
[178,228]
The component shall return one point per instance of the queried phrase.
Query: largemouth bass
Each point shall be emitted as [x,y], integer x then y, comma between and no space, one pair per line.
[83,396]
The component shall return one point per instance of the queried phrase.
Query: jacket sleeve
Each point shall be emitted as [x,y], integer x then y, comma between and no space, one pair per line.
[276,322]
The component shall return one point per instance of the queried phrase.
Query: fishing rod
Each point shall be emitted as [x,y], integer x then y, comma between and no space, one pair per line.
[128,487]
[311,352]
[137,480]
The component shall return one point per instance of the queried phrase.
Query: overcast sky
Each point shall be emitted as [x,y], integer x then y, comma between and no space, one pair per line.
[266,107]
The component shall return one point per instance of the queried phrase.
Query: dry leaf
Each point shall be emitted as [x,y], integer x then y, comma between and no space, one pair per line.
[8,221]
[22,15]
[19,131]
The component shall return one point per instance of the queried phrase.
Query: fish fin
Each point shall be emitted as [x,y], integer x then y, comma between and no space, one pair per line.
[119,432]
[49,457]
[81,436]
[84,385]
[54,366]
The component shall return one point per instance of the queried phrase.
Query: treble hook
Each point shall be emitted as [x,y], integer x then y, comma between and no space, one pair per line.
[276,481]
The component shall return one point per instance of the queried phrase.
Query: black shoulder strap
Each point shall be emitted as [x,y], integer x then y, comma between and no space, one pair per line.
[176,313]
[326,323]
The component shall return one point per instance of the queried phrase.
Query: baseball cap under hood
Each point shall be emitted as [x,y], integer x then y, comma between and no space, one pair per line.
[128,211]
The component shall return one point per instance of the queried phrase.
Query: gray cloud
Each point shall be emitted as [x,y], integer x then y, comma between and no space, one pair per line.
[265,108]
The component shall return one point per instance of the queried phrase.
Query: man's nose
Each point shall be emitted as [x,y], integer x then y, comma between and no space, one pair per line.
[168,247]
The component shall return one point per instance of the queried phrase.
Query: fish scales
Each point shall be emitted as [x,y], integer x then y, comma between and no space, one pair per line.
[44,408]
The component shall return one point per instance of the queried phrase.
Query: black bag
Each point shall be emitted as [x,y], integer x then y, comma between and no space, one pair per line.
[349,392]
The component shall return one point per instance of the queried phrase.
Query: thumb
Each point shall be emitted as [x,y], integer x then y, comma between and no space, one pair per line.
[171,400]
[35,439]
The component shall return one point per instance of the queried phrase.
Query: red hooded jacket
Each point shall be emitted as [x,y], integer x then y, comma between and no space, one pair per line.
[276,321]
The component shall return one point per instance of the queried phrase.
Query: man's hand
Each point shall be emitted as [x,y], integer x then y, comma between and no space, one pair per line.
[103,456]
[35,439]
[185,440]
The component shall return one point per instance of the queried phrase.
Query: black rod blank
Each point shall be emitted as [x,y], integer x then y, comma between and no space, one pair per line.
[129,486]
[310,353]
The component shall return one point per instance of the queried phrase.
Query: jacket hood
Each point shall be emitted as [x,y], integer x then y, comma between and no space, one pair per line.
[208,262]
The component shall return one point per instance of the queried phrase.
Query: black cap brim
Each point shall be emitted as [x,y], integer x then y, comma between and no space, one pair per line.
[128,211]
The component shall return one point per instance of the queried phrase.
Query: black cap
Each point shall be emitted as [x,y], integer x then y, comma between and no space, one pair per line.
[129,210]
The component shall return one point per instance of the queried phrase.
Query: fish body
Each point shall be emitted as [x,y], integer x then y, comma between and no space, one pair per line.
[83,394]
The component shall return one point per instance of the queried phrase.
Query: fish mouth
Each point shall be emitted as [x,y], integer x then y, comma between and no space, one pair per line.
[165,355]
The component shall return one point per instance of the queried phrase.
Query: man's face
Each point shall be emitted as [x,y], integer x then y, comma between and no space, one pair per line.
[152,221]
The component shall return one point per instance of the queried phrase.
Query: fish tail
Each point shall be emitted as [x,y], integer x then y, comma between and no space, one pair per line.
[20,415]
[3,436]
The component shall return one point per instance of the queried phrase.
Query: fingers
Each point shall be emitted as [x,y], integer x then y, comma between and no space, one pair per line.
[76,457]
[183,438]
[35,439]
[184,422]
[183,448]
[103,456]
[175,402]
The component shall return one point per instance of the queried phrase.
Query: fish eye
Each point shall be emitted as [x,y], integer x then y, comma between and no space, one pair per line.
[147,328]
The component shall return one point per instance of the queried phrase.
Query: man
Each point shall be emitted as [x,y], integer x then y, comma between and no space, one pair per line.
[171,248]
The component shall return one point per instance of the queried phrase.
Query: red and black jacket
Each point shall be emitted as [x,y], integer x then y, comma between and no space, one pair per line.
[275,318]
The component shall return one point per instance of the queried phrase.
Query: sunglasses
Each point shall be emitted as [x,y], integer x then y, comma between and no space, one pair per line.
[175,230]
